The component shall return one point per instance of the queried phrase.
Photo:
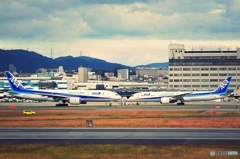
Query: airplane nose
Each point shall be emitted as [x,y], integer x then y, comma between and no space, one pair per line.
[119,97]
[130,99]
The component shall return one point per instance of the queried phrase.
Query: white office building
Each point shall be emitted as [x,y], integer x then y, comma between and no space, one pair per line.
[202,70]
[123,74]
[82,75]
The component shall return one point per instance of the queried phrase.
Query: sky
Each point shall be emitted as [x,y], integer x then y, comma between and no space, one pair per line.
[130,32]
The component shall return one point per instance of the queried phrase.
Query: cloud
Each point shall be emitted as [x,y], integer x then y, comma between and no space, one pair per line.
[81,19]
[117,30]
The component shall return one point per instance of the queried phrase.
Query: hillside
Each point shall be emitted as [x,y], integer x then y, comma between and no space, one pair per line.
[26,61]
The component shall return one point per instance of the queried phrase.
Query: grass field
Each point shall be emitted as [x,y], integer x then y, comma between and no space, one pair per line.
[113,151]
[121,118]
[117,118]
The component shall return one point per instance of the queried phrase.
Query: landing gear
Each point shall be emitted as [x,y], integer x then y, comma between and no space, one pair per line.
[180,103]
[64,104]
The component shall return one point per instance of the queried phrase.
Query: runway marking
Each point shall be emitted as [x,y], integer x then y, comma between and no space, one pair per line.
[8,130]
[187,142]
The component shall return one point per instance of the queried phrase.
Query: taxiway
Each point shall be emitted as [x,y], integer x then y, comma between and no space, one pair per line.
[192,106]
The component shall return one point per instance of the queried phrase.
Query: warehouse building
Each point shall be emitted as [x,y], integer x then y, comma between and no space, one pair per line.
[151,72]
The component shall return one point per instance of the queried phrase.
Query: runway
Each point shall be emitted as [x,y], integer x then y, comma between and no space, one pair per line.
[158,136]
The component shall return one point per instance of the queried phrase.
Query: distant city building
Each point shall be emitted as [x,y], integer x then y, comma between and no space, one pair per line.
[60,69]
[109,74]
[93,76]
[82,75]
[151,72]
[123,74]
[45,74]
[35,82]
[41,70]
[12,68]
[202,69]
[133,77]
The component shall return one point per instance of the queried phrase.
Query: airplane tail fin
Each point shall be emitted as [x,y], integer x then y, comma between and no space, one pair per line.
[14,83]
[222,89]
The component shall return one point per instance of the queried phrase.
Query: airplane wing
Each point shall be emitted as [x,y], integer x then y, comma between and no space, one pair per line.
[179,96]
[54,95]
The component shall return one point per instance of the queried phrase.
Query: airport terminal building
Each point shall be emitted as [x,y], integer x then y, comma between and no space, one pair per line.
[202,70]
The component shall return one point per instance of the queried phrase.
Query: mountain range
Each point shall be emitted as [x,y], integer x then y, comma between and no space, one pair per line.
[29,61]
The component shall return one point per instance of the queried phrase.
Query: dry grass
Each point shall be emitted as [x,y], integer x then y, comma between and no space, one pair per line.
[112,151]
[120,118]
[116,118]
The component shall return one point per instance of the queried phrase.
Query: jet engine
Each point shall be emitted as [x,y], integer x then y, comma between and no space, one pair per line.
[74,100]
[165,100]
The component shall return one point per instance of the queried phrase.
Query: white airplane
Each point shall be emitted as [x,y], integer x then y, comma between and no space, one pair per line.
[5,95]
[181,97]
[66,96]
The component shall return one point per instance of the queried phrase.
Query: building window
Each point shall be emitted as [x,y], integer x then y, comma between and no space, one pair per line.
[195,80]
[186,80]
[204,80]
[222,68]
[213,80]
[194,74]
[204,74]
[231,68]
[222,74]
[204,69]
[177,69]
[214,86]
[186,69]
[213,74]
[195,69]
[213,69]
[195,86]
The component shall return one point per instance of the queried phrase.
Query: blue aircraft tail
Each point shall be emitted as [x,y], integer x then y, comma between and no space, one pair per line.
[14,83]
[222,89]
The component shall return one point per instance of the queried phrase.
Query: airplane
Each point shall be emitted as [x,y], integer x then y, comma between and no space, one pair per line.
[74,97]
[4,95]
[165,97]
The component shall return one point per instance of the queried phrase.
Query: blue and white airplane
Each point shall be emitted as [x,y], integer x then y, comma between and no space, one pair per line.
[66,96]
[181,97]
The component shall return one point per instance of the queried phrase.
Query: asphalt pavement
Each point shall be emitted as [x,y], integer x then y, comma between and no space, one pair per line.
[154,136]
